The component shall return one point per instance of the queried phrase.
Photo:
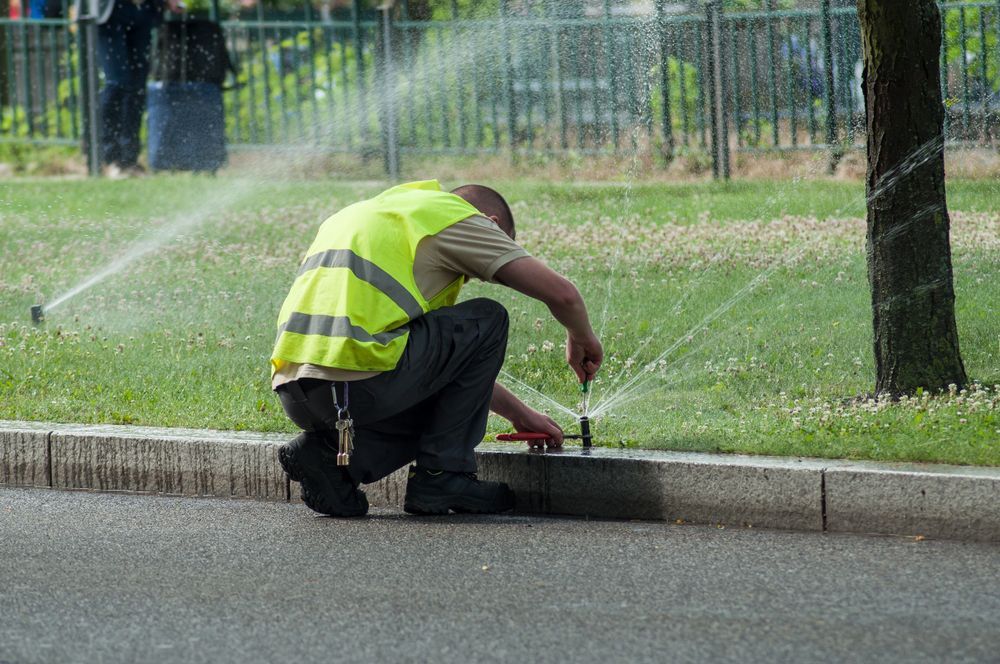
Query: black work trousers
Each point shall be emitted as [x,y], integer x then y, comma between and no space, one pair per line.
[431,408]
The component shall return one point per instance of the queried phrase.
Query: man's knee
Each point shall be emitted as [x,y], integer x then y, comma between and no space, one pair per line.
[492,315]
[488,309]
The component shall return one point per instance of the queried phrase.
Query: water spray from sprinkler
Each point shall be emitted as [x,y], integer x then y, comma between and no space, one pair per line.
[537,439]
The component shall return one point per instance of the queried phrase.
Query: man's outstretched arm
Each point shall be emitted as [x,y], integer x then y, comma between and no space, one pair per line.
[534,278]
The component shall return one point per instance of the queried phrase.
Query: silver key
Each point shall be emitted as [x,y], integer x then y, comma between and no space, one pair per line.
[345,431]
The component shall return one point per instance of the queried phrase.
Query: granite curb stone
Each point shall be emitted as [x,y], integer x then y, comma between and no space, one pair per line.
[143,459]
[772,492]
[155,461]
[951,502]
[24,455]
[634,484]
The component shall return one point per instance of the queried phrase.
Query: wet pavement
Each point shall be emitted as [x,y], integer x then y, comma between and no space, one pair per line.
[88,577]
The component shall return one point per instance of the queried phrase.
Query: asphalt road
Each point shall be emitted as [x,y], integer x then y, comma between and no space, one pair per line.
[117,578]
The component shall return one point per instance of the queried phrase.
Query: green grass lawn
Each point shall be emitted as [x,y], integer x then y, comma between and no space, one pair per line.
[735,316]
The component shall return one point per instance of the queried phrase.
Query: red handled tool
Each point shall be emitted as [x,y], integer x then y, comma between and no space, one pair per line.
[537,439]
[533,439]
[524,435]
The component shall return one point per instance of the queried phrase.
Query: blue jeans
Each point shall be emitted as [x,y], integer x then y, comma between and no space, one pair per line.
[123,51]
[47,9]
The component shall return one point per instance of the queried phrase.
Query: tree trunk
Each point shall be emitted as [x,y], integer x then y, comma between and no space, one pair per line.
[909,255]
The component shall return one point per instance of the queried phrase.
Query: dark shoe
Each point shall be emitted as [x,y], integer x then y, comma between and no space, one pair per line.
[326,487]
[438,491]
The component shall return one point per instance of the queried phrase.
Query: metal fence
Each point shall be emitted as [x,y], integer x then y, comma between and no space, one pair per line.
[531,81]
[40,95]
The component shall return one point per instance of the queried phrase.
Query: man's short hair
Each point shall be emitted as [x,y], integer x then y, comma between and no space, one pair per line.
[490,203]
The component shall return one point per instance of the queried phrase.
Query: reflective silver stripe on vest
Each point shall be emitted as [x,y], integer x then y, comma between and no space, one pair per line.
[367,271]
[335,326]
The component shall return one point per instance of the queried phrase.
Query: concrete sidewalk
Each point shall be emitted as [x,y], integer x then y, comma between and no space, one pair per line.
[956,502]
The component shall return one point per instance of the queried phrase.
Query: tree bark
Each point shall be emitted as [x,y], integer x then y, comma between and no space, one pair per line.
[909,253]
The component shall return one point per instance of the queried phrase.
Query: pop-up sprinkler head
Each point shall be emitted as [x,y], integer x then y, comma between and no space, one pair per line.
[585,431]
[585,390]
[37,315]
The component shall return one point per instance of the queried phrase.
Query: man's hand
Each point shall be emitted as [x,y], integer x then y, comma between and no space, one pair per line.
[584,355]
[508,406]
[532,420]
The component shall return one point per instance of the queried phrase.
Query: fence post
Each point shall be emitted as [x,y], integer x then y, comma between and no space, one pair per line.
[709,32]
[611,72]
[360,64]
[772,72]
[87,36]
[4,36]
[721,85]
[509,66]
[831,100]
[27,83]
[389,129]
[996,19]
[716,91]
[667,124]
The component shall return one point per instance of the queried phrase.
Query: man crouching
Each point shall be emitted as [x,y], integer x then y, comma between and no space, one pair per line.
[380,367]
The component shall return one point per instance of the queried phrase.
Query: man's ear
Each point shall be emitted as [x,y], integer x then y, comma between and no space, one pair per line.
[495,219]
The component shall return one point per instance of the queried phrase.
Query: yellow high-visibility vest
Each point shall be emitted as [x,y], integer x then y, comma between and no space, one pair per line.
[355,291]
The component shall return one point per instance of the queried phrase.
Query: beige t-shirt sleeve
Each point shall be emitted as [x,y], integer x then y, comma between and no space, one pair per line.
[474,247]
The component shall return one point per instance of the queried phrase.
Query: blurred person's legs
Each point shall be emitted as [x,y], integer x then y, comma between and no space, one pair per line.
[123,50]
[49,8]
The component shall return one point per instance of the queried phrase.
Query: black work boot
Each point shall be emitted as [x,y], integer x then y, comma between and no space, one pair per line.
[437,491]
[326,487]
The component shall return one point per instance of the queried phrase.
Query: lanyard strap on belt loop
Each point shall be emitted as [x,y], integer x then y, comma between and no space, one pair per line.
[342,412]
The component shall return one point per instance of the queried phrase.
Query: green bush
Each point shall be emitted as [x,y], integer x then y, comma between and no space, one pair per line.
[296,88]
[680,73]
[976,47]
[56,119]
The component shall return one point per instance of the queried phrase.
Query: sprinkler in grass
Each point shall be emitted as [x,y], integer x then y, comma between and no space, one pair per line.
[585,432]
[37,315]
[537,440]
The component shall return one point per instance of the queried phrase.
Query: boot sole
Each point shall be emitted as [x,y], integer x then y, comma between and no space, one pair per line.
[458,504]
[311,486]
